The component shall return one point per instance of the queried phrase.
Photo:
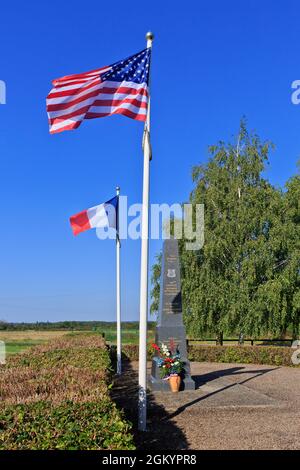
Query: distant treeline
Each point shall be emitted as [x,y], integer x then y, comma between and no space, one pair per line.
[70,325]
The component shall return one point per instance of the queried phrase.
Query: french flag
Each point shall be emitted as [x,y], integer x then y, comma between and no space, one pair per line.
[104,215]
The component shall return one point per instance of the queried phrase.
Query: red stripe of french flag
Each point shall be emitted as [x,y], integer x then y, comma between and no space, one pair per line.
[80,222]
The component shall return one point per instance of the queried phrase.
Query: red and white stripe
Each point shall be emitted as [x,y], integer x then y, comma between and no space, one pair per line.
[85,96]
[102,215]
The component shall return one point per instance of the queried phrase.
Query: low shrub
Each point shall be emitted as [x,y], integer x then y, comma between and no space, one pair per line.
[270,355]
[131,352]
[29,384]
[88,358]
[56,396]
[71,340]
[68,426]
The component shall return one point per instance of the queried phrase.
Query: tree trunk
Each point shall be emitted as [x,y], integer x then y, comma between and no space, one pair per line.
[295,331]
[219,338]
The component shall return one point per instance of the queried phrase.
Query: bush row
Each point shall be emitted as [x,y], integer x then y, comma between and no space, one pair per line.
[82,358]
[56,396]
[271,355]
[66,426]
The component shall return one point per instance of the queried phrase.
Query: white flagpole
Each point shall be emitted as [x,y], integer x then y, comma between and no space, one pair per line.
[118,280]
[142,406]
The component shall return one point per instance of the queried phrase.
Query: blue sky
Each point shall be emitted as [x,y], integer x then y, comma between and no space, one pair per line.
[213,62]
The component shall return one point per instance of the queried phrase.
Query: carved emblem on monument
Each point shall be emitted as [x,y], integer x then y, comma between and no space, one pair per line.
[171,273]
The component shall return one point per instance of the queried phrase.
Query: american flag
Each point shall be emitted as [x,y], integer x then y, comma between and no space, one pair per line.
[121,88]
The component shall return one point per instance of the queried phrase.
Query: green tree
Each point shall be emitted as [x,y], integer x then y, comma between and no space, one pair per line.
[290,264]
[246,276]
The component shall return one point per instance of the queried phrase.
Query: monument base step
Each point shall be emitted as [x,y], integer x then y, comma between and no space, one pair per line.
[159,385]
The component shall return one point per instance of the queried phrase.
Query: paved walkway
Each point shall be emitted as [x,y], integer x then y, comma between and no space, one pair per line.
[234,406]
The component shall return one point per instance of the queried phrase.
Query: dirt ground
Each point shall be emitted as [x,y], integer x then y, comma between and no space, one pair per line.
[234,406]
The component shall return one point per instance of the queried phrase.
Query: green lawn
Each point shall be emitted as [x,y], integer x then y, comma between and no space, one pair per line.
[15,347]
[129,336]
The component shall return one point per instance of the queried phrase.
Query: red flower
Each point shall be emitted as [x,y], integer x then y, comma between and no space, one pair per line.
[154,346]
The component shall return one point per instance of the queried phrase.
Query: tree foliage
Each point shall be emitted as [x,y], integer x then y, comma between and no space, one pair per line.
[246,276]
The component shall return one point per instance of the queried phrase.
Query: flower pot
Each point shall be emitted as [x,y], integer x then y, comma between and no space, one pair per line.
[175,381]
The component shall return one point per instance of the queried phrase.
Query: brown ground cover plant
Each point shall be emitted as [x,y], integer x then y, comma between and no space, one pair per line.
[28,384]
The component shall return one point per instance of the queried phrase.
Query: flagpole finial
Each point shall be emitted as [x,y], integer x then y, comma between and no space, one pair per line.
[149,36]
[118,190]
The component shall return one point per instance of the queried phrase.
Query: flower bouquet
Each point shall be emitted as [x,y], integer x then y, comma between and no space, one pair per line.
[170,364]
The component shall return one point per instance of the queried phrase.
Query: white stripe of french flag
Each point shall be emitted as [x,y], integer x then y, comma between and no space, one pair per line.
[103,215]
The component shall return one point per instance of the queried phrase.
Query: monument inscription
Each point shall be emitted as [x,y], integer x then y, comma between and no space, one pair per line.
[170,322]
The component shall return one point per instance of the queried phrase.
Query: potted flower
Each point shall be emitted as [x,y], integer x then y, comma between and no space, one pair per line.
[170,364]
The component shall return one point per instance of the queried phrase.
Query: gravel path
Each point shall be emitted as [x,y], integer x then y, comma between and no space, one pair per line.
[234,406]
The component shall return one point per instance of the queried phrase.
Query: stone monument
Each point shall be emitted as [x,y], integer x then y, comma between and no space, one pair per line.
[170,322]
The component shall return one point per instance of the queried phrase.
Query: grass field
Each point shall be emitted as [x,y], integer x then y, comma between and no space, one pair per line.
[129,336]
[19,341]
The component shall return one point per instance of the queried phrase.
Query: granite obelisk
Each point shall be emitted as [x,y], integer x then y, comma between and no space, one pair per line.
[170,322]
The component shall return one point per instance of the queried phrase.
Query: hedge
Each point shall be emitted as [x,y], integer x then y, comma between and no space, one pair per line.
[68,426]
[56,396]
[270,355]
[87,358]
